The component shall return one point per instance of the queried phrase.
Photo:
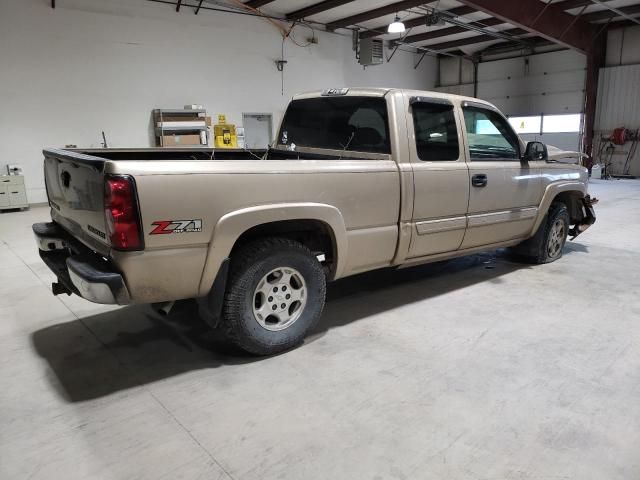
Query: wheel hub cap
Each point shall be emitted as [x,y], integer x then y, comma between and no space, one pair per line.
[279,298]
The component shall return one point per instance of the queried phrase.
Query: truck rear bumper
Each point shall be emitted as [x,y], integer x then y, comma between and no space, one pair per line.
[79,270]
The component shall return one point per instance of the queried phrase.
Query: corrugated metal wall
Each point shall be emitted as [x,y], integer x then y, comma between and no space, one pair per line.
[619,106]
[618,98]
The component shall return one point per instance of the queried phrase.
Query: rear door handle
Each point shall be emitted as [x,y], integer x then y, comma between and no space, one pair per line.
[479,180]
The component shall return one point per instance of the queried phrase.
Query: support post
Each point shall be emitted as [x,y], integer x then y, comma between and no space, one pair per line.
[475,77]
[595,60]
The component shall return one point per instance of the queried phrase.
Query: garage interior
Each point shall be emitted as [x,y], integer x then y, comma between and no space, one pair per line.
[479,367]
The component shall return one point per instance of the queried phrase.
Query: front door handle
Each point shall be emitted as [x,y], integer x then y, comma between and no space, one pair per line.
[479,180]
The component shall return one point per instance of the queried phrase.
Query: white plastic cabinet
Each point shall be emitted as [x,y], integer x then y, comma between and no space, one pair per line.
[12,192]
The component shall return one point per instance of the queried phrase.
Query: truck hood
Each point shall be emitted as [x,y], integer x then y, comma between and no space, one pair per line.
[564,156]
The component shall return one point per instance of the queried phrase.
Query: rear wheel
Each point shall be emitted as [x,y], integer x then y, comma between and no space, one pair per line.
[276,293]
[547,244]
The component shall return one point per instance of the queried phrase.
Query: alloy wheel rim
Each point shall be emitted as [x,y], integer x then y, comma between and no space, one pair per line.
[556,238]
[279,298]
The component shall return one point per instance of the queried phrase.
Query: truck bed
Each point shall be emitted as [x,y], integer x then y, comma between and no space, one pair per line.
[201,153]
[358,198]
[172,153]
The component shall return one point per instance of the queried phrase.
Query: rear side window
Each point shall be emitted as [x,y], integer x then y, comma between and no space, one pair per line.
[338,123]
[489,135]
[436,132]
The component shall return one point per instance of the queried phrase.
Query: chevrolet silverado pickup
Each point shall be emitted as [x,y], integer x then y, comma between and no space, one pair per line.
[357,179]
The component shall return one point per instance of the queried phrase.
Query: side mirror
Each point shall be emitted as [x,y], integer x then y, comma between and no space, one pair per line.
[535,151]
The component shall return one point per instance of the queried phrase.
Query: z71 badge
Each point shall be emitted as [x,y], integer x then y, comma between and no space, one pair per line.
[176,226]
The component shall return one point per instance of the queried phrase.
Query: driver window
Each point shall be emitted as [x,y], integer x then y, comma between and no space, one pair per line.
[489,135]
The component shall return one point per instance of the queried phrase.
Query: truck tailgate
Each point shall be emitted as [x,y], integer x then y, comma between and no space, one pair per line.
[75,187]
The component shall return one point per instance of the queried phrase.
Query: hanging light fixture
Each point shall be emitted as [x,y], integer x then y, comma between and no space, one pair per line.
[396,26]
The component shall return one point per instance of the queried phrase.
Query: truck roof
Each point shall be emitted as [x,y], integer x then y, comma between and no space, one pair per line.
[381,92]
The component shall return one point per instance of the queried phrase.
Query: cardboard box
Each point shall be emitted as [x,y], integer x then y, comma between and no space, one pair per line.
[179,140]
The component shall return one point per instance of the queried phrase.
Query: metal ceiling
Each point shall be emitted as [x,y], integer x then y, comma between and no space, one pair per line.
[469,27]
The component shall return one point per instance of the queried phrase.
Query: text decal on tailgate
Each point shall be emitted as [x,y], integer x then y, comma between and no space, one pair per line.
[176,226]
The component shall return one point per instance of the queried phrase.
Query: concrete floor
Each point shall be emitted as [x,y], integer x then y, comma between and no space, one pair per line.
[478,368]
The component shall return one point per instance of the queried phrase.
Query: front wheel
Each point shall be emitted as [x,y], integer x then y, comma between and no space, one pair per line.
[547,244]
[275,295]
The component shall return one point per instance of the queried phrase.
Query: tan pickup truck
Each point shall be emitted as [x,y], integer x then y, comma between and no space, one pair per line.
[357,179]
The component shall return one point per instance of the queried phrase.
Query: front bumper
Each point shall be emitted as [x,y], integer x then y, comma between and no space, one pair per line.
[79,269]
[588,217]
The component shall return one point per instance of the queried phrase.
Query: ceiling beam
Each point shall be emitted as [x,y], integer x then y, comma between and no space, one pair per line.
[469,40]
[375,13]
[615,10]
[415,22]
[607,14]
[257,3]
[445,32]
[569,4]
[316,8]
[546,20]
[511,46]
[620,24]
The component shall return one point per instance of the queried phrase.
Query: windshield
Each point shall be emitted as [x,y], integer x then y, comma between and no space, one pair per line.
[338,123]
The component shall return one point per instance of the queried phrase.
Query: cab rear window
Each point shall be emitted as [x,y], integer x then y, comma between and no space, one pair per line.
[357,124]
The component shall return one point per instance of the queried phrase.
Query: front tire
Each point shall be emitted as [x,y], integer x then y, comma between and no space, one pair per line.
[547,244]
[275,295]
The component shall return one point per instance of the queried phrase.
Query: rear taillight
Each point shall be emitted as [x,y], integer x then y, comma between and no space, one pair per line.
[121,213]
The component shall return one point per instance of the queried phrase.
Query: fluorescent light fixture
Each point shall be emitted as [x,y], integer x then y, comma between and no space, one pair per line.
[396,27]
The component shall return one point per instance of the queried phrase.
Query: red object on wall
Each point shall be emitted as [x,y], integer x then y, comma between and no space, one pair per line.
[619,136]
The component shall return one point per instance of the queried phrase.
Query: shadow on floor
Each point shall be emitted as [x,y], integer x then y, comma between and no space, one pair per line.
[571,247]
[133,346]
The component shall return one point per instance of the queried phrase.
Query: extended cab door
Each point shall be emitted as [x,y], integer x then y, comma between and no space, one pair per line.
[505,192]
[441,177]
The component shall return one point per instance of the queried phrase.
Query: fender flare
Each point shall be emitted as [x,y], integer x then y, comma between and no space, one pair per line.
[233,224]
[550,193]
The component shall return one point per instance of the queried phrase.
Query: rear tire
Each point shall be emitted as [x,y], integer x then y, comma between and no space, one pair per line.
[547,244]
[275,295]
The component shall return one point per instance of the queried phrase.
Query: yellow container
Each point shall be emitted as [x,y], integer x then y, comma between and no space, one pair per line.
[224,134]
